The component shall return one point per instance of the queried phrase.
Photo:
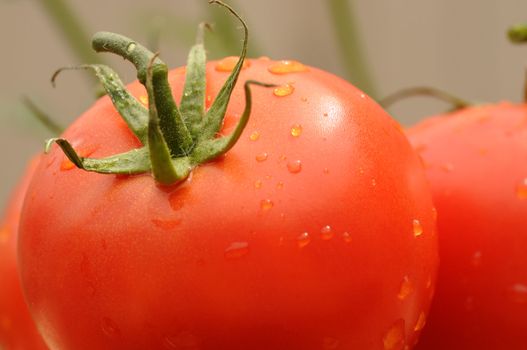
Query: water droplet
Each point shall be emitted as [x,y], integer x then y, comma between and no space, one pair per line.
[287,66]
[282,158]
[284,90]
[266,204]
[258,184]
[177,198]
[236,250]
[476,259]
[346,236]
[304,99]
[144,100]
[373,182]
[405,289]
[303,239]
[182,341]
[109,327]
[394,337]
[254,136]
[434,213]
[521,189]
[131,47]
[362,95]
[228,63]
[326,233]
[429,282]
[417,228]
[325,171]
[330,343]
[166,224]
[294,167]
[296,130]
[280,185]
[82,151]
[325,114]
[517,293]
[261,157]
[421,321]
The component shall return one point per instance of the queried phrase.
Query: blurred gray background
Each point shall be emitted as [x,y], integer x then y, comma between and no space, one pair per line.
[458,46]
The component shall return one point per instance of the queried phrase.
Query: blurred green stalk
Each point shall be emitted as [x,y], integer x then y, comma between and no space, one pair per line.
[351,48]
[71,28]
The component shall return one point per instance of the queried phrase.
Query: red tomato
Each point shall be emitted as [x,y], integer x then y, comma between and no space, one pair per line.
[316,231]
[476,162]
[17,329]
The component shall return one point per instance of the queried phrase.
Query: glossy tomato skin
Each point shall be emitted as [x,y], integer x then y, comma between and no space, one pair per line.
[476,161]
[301,237]
[17,329]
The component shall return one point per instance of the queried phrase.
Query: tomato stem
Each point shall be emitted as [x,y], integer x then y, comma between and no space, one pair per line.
[175,140]
[48,122]
[456,102]
[351,48]
[518,35]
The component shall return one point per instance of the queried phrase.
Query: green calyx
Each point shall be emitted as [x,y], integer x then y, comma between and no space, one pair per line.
[175,139]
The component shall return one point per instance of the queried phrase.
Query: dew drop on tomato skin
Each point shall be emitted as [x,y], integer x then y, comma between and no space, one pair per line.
[280,185]
[258,184]
[346,236]
[421,321]
[286,67]
[296,130]
[517,293]
[236,250]
[261,157]
[303,239]
[417,227]
[326,233]
[255,135]
[166,224]
[82,151]
[521,189]
[394,338]
[294,167]
[110,328]
[284,90]
[405,289]
[227,64]
[266,204]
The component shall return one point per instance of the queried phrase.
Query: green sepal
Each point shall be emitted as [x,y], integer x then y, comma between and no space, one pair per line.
[135,161]
[174,130]
[213,148]
[192,106]
[213,120]
[131,110]
[163,169]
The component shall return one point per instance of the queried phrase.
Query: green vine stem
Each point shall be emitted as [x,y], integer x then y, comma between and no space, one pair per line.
[518,35]
[175,139]
[351,49]
[71,28]
[48,122]
[456,102]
